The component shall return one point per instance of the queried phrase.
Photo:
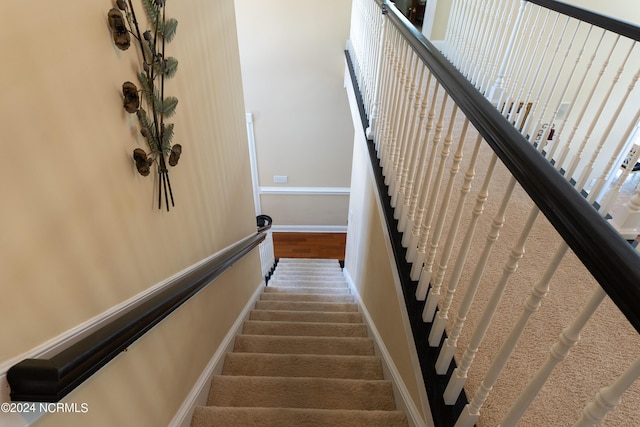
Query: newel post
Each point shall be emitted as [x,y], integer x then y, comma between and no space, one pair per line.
[496,91]
[373,120]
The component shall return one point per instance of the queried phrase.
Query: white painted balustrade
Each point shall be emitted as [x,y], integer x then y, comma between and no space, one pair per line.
[569,87]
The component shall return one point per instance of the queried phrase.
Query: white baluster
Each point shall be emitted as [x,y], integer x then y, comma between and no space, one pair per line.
[416,160]
[459,376]
[568,338]
[429,186]
[373,119]
[414,215]
[450,344]
[413,127]
[574,164]
[425,275]
[495,92]
[515,74]
[471,411]
[403,125]
[613,164]
[437,329]
[608,398]
[527,130]
[560,128]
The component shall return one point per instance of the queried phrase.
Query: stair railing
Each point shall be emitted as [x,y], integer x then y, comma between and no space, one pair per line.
[421,116]
[267,255]
[49,380]
[563,76]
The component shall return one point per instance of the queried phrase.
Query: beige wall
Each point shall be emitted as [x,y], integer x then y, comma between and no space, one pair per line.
[292,65]
[79,232]
[368,263]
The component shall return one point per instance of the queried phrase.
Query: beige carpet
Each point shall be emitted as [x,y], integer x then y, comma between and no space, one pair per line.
[608,344]
[303,359]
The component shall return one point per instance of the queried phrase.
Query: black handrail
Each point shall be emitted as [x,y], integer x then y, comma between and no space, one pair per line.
[263,222]
[49,380]
[608,257]
[610,24]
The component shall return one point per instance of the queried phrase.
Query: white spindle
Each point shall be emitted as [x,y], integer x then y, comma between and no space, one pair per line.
[459,376]
[413,127]
[429,186]
[414,215]
[613,164]
[377,86]
[425,275]
[414,158]
[437,329]
[471,411]
[527,130]
[574,164]
[568,338]
[557,143]
[449,346]
[416,268]
[514,90]
[608,398]
[496,90]
[403,124]
[567,147]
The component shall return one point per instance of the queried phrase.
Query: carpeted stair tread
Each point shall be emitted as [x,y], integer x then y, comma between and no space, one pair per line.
[306,306]
[303,365]
[303,345]
[281,296]
[260,327]
[308,261]
[303,358]
[309,283]
[306,316]
[290,392]
[209,416]
[342,290]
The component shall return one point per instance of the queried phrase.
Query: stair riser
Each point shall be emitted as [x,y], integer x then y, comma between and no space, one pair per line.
[272,289]
[252,327]
[304,345]
[306,306]
[278,417]
[318,393]
[306,297]
[315,366]
[305,316]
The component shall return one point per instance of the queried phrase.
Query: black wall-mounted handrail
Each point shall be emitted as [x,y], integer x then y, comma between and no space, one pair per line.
[608,257]
[49,380]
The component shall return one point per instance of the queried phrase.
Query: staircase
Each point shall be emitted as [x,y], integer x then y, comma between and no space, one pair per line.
[303,359]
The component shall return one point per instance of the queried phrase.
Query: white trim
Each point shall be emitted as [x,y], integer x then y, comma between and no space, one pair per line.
[306,191]
[439,44]
[200,391]
[309,228]
[253,162]
[400,391]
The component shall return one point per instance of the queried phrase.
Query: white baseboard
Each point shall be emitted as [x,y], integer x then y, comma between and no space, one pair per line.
[200,391]
[402,396]
[305,191]
[309,228]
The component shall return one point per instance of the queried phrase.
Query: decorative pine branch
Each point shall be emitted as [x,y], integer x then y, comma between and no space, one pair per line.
[156,67]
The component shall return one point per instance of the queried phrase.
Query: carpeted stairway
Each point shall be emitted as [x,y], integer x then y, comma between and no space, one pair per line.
[303,359]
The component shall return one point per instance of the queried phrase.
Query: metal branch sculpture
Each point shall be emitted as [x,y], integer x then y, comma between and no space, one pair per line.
[155,68]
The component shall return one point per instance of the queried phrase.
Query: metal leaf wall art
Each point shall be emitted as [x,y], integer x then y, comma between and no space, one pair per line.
[148,101]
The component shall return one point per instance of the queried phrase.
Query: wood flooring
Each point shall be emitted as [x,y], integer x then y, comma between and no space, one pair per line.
[309,245]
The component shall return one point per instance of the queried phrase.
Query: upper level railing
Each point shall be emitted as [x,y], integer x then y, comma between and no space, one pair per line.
[564,76]
[49,380]
[418,106]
